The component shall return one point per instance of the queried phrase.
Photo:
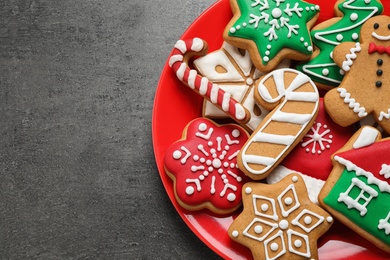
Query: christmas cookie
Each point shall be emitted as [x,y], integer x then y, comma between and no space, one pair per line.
[365,87]
[232,69]
[294,101]
[203,166]
[279,221]
[357,191]
[182,53]
[272,30]
[351,14]
[312,155]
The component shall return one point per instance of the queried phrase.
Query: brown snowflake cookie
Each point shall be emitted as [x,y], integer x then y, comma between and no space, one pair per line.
[279,221]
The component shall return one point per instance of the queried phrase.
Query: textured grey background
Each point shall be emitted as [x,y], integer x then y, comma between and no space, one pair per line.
[78,178]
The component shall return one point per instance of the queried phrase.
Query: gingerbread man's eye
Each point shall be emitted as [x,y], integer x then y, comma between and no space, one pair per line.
[388,26]
[376,25]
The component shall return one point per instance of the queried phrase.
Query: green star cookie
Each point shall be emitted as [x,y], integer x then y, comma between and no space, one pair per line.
[272,30]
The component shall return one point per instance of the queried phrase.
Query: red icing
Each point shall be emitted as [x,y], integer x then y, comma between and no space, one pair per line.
[218,159]
[318,164]
[370,158]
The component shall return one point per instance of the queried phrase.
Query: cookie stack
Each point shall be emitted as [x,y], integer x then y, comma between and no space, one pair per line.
[294,125]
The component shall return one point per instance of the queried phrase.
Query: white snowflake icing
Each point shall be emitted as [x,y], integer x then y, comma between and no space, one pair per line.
[319,139]
[266,221]
[211,161]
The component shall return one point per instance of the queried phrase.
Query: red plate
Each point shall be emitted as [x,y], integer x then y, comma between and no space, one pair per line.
[175,105]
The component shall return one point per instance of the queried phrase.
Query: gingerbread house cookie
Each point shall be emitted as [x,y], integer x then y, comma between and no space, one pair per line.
[357,191]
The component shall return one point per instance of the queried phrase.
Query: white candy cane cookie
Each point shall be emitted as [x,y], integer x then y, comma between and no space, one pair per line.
[294,100]
[182,52]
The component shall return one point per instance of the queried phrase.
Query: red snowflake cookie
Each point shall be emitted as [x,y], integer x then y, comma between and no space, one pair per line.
[203,166]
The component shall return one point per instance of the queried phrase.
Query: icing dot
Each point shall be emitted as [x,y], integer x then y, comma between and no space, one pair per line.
[339,37]
[276,13]
[329,219]
[249,81]
[232,165]
[232,30]
[235,233]
[258,229]
[177,154]
[312,8]
[354,17]
[274,246]
[227,147]
[223,177]
[217,163]
[325,72]
[355,36]
[196,158]
[310,48]
[342,72]
[236,133]
[317,7]
[248,190]
[269,46]
[220,171]
[266,59]
[190,190]
[231,197]
[283,224]
[210,169]
[307,8]
[213,151]
[202,127]
[306,44]
[264,207]
[267,53]
[307,150]
[288,201]
[295,179]
[239,179]
[302,39]
[367,1]
[206,173]
[238,27]
[307,220]
[244,24]
[298,243]
[208,162]
[210,143]
[201,177]
[225,164]
[202,160]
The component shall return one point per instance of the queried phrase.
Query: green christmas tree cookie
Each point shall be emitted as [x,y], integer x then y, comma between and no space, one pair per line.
[327,35]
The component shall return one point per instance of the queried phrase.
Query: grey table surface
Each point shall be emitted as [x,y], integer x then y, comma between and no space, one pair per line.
[78,176]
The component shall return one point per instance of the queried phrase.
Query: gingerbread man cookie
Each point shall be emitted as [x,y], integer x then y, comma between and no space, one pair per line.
[365,88]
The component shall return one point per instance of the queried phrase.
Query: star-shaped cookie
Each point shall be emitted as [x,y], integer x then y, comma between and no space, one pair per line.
[279,221]
[272,30]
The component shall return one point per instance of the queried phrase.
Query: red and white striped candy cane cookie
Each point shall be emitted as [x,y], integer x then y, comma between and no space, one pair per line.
[182,52]
[294,101]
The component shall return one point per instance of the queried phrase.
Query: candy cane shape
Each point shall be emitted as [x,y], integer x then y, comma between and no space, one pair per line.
[178,61]
[294,101]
